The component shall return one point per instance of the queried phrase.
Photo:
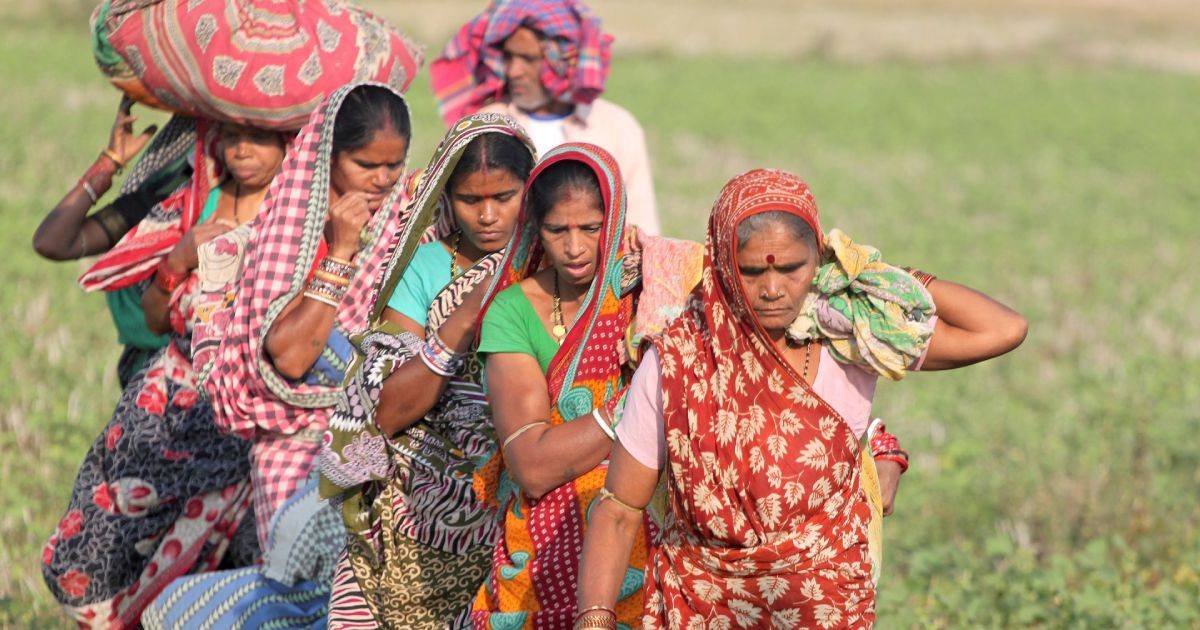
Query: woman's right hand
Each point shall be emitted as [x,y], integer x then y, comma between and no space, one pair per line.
[458,330]
[121,140]
[184,256]
[347,217]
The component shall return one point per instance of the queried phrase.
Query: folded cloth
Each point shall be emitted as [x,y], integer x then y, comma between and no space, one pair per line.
[873,314]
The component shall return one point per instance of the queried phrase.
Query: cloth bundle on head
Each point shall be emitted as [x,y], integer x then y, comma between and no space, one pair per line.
[135,257]
[873,314]
[263,63]
[470,72]
[247,391]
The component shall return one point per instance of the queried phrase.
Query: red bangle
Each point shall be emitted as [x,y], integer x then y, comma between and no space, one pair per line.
[885,446]
[168,279]
[900,457]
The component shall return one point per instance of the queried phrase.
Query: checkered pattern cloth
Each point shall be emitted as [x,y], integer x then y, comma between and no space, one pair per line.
[248,394]
[281,466]
[470,72]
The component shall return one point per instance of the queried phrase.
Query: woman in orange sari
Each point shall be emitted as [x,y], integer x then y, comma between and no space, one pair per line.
[552,334]
[768,519]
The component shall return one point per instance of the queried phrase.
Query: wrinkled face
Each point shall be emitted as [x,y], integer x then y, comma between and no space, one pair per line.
[251,155]
[372,169]
[570,235]
[486,204]
[523,59]
[776,271]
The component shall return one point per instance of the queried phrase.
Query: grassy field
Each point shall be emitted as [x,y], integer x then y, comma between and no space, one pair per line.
[1055,487]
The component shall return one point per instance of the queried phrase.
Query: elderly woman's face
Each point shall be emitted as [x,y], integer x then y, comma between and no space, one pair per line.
[777,270]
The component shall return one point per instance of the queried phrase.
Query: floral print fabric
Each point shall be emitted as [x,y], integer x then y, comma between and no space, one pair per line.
[768,526]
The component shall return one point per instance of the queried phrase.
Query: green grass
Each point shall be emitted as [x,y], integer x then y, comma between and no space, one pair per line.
[1054,487]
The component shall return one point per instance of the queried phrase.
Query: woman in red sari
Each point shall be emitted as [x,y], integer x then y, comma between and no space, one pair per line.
[768,520]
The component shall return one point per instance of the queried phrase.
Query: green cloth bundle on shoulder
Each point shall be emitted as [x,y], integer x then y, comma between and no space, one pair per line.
[873,314]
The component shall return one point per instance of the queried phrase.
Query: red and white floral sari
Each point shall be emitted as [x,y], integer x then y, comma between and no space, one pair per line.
[768,522]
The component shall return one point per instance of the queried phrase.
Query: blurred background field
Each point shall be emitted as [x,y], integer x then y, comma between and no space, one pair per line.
[1048,153]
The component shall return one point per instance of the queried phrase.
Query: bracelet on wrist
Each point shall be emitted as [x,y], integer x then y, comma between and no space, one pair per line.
[921,276]
[439,358]
[321,297]
[332,278]
[595,617]
[324,291]
[167,279]
[112,155]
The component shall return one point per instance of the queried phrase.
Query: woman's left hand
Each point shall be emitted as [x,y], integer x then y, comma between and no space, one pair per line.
[122,142]
[889,483]
[633,239]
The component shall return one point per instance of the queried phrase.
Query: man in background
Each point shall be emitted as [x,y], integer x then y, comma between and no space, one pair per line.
[544,62]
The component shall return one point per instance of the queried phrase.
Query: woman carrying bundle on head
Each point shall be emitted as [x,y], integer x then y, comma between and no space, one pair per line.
[754,401]
[163,491]
[403,450]
[552,336]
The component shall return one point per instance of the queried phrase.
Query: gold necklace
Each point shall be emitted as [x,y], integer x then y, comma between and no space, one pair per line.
[455,270]
[556,315]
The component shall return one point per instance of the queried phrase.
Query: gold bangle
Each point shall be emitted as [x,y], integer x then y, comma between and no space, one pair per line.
[320,297]
[587,620]
[112,155]
[605,493]
[340,261]
[331,277]
[516,434]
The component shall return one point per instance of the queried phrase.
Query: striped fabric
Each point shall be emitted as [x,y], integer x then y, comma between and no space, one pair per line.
[419,536]
[290,590]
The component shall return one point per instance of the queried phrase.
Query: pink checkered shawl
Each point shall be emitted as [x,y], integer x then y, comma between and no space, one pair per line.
[470,72]
[248,393]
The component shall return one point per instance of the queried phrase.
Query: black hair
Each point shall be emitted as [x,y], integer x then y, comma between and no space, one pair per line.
[799,228]
[367,110]
[548,188]
[492,151]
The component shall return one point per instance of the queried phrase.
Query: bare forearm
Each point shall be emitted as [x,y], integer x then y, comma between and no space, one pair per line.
[972,327]
[606,548]
[552,456]
[156,305]
[297,338]
[408,394]
[61,235]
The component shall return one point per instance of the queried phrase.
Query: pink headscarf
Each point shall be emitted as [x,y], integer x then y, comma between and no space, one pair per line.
[470,72]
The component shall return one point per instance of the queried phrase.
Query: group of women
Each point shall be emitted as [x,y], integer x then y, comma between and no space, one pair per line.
[393,399]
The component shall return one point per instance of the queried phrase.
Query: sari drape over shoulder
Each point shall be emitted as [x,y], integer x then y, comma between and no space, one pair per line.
[163,492]
[768,522]
[535,567]
[249,395]
[420,538]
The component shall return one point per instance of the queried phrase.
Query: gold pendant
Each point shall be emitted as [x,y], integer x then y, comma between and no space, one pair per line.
[559,331]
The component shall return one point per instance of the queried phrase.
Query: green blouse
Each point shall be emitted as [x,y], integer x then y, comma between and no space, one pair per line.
[511,325]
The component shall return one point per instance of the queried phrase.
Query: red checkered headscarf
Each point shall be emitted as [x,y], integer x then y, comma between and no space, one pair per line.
[470,72]
[247,392]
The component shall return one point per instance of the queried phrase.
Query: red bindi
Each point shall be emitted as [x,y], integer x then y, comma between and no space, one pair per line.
[770,259]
